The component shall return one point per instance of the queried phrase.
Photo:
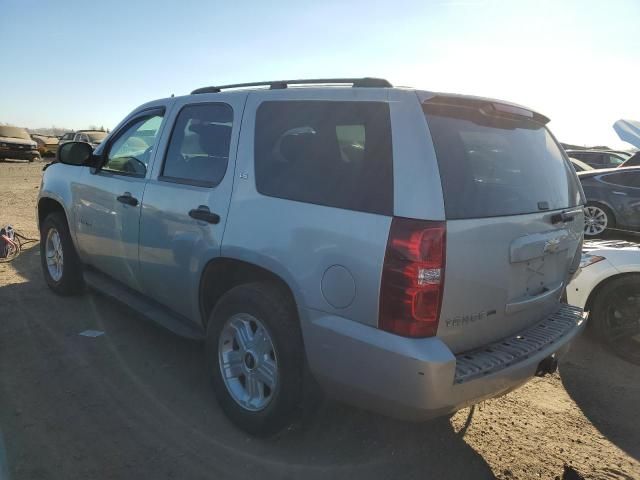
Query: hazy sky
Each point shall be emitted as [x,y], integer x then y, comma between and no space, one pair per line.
[75,63]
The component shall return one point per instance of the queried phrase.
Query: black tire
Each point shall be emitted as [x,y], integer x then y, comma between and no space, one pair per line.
[610,219]
[71,281]
[277,312]
[615,316]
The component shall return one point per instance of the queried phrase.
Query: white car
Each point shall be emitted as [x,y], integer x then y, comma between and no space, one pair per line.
[608,287]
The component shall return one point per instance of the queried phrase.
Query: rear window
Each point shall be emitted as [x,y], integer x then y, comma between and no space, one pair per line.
[498,165]
[336,154]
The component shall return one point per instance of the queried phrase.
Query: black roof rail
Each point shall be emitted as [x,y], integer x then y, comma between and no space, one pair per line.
[365,82]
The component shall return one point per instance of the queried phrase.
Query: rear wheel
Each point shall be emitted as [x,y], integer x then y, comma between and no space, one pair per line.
[60,263]
[615,316]
[597,219]
[255,356]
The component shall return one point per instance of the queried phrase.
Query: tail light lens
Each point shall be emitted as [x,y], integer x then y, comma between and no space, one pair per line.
[413,278]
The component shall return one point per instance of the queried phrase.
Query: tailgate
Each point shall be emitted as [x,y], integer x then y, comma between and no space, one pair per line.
[514,218]
[504,274]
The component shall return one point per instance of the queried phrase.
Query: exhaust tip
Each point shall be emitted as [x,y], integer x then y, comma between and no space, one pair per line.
[547,366]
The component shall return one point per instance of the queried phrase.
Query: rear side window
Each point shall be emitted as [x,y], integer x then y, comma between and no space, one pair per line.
[495,165]
[623,179]
[198,150]
[336,154]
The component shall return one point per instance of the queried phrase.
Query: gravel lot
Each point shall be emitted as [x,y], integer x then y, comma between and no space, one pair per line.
[135,402]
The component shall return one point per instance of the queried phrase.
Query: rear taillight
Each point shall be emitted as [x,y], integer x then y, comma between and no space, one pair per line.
[413,278]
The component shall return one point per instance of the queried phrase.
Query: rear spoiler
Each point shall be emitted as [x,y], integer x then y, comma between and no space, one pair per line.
[486,105]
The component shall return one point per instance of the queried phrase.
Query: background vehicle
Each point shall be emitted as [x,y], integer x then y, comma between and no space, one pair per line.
[348,213]
[47,144]
[633,161]
[621,153]
[92,137]
[613,199]
[16,143]
[608,286]
[579,165]
[598,158]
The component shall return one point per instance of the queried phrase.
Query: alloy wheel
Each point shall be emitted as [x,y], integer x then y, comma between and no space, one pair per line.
[248,362]
[54,253]
[595,220]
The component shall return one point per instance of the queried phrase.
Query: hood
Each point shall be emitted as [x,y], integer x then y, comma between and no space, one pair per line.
[628,131]
[18,141]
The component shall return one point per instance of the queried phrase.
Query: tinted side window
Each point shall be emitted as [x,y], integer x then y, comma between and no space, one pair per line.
[198,151]
[626,179]
[336,154]
[131,151]
[614,160]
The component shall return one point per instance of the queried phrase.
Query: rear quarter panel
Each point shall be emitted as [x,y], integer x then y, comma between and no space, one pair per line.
[331,258]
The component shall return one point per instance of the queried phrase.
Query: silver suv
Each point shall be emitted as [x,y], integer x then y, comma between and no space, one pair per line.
[406,251]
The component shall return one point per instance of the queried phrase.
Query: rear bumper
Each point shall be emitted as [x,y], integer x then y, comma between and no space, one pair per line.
[417,379]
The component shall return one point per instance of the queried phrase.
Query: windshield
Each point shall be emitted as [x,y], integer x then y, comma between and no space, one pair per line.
[14,132]
[96,137]
[493,166]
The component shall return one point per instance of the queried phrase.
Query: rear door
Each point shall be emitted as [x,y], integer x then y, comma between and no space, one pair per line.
[185,206]
[514,218]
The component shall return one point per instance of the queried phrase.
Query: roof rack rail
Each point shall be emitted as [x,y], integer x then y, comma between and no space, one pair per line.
[365,82]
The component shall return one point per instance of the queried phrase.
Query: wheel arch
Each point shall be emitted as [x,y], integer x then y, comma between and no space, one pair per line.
[599,286]
[223,273]
[48,205]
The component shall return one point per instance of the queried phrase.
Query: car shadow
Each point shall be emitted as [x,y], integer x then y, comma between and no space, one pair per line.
[595,379]
[135,402]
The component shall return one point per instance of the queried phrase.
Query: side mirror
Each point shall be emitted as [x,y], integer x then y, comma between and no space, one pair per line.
[76,153]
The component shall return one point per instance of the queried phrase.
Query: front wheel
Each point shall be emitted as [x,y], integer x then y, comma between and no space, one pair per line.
[60,263]
[615,316]
[255,357]
[597,219]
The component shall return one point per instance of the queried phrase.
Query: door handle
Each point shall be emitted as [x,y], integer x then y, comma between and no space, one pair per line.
[203,213]
[615,192]
[128,199]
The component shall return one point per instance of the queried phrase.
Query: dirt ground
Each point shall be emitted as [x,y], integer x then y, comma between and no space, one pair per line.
[136,403]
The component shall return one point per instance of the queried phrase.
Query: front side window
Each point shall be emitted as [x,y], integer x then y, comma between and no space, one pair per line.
[131,151]
[336,154]
[198,151]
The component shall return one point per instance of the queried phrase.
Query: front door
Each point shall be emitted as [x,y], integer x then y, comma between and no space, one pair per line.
[108,201]
[186,201]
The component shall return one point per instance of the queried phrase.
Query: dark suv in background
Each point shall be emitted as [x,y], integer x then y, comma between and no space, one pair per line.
[598,158]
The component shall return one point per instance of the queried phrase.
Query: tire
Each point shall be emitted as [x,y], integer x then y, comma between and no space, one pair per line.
[615,316]
[68,279]
[597,219]
[274,405]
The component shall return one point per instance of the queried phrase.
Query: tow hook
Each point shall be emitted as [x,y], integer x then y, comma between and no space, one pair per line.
[547,366]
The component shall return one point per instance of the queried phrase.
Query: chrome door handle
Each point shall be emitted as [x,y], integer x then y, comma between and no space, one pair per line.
[618,193]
